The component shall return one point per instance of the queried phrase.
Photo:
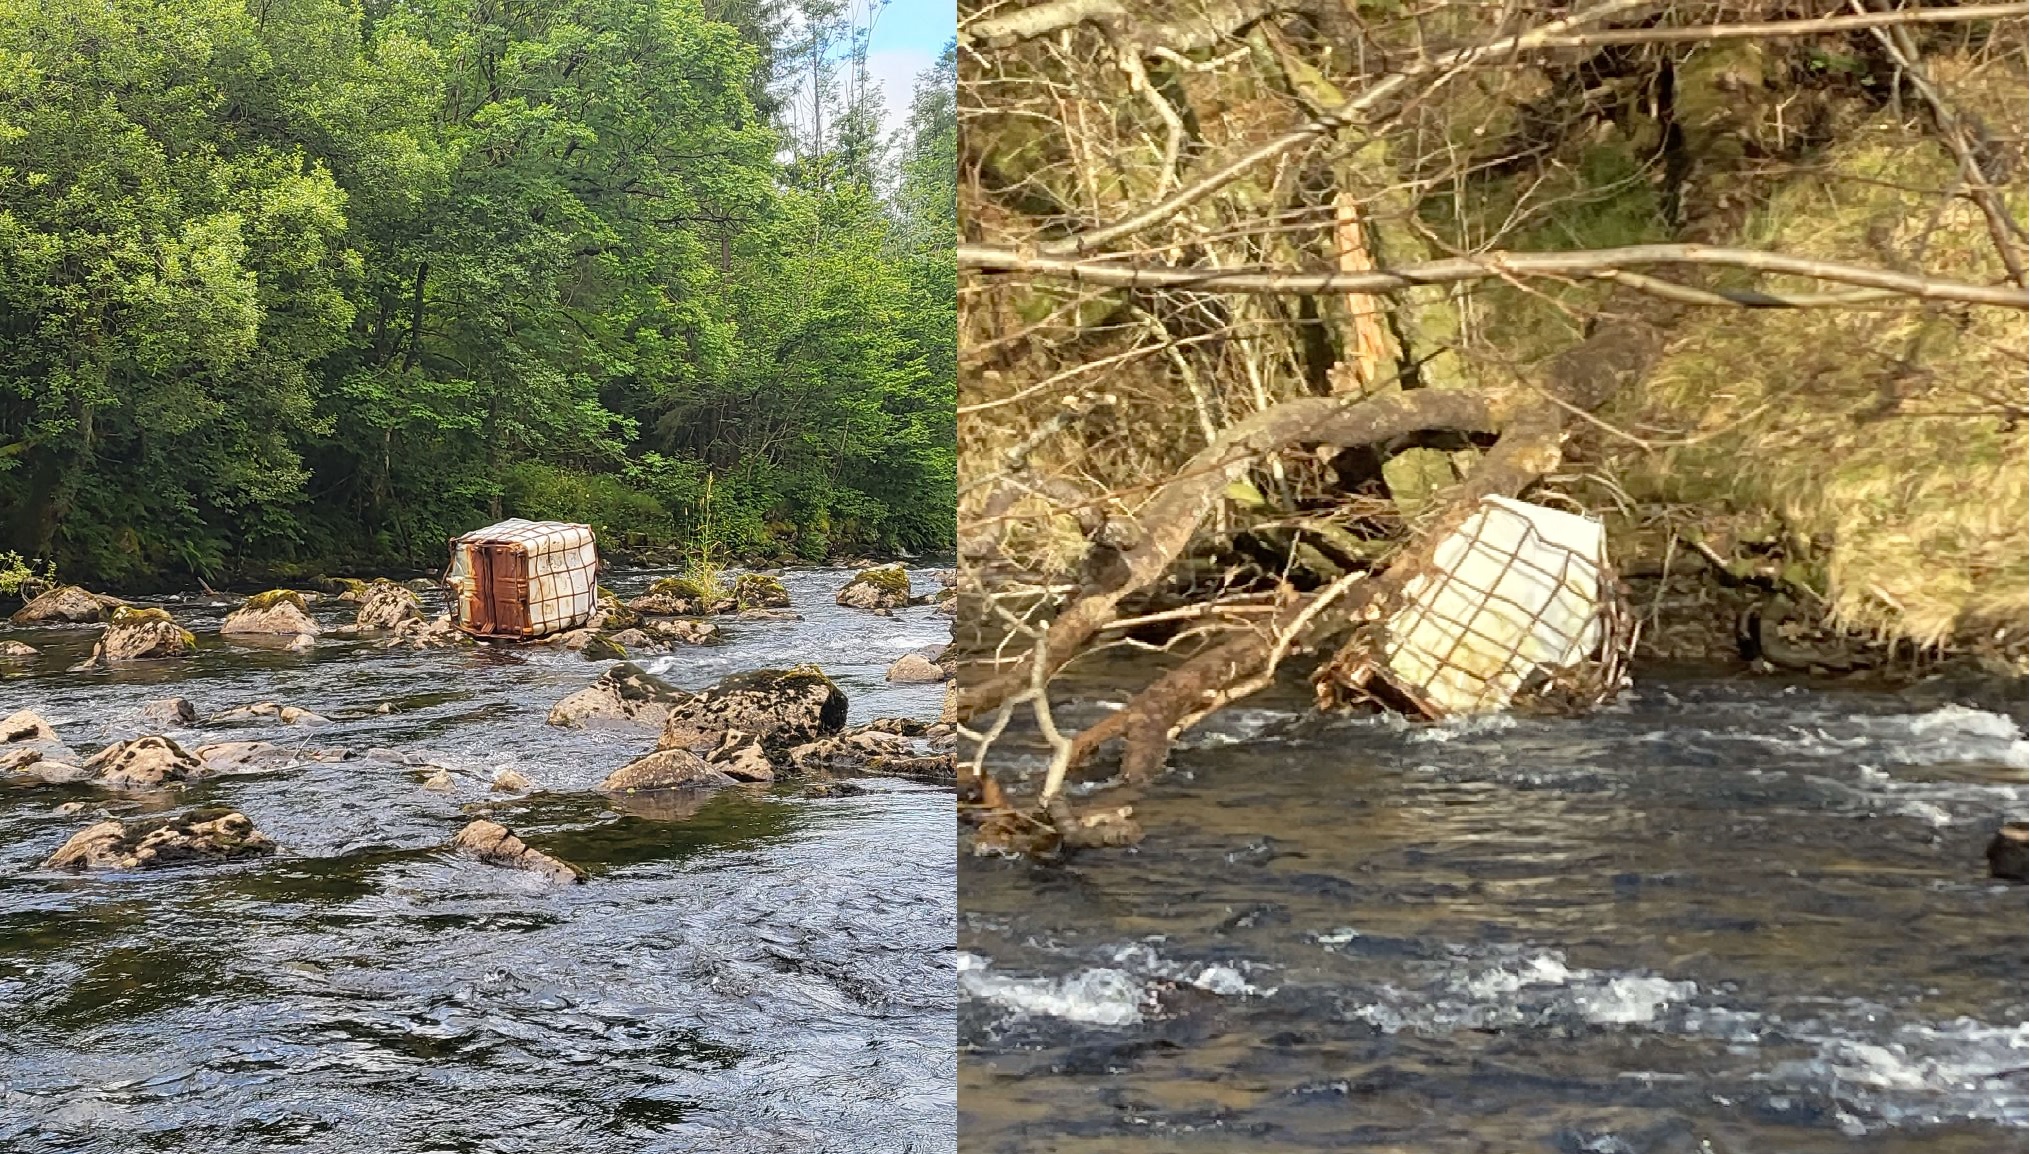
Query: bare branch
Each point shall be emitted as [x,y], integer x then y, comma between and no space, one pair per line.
[1583,262]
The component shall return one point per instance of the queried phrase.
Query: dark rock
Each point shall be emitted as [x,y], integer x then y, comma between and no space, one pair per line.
[2009,852]
[889,747]
[496,844]
[200,836]
[600,647]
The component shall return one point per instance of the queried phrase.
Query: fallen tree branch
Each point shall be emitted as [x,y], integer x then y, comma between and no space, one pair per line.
[1578,263]
[1169,520]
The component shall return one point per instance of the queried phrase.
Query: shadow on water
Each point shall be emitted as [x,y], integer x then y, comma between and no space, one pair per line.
[744,971]
[1717,916]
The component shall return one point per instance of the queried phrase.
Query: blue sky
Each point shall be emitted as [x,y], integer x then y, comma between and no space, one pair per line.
[906,40]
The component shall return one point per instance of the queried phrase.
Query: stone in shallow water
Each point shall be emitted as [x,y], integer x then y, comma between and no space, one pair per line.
[886,587]
[779,707]
[137,635]
[200,836]
[915,669]
[143,763]
[665,769]
[496,844]
[17,649]
[65,605]
[170,711]
[384,605]
[278,611]
[2009,852]
[622,693]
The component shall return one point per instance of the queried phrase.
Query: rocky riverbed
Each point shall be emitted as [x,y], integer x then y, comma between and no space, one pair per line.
[762,966]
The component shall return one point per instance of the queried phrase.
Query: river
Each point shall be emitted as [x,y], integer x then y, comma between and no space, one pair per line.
[1721,915]
[765,972]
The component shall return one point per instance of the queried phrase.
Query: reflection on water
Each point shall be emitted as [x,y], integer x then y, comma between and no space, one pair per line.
[1714,917]
[751,972]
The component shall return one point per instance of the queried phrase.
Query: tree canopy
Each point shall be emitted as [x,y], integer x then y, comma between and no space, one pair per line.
[301,284]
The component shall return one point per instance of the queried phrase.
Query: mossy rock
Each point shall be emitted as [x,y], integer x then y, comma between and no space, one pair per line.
[274,597]
[600,647]
[760,591]
[884,587]
[680,587]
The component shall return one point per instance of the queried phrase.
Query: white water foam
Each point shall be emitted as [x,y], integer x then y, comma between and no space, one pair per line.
[1096,997]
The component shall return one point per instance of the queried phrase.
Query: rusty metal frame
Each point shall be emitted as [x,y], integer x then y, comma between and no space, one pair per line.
[533,544]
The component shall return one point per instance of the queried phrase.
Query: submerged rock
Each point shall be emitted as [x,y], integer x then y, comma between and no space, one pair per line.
[665,769]
[496,844]
[204,835]
[278,611]
[759,591]
[2009,852]
[886,587]
[170,711]
[143,763]
[386,605]
[17,649]
[242,756]
[416,633]
[915,669]
[622,693]
[286,714]
[66,605]
[137,635]
[779,708]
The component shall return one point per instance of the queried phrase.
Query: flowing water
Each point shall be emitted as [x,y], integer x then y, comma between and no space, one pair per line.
[755,972]
[1721,915]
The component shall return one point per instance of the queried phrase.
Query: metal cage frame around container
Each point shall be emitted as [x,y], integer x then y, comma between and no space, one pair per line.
[523,579]
[1433,652]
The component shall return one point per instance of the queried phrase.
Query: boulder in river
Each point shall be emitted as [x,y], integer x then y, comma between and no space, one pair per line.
[741,758]
[609,614]
[175,711]
[416,633]
[276,612]
[12,649]
[204,835]
[66,605]
[601,647]
[143,763]
[682,597]
[496,844]
[30,748]
[759,591]
[622,693]
[2009,852]
[137,635]
[915,669]
[779,707]
[946,603]
[665,769]
[385,605]
[886,587]
[886,747]
[243,756]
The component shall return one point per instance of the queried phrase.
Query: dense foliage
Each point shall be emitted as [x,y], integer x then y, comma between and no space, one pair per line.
[303,284]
